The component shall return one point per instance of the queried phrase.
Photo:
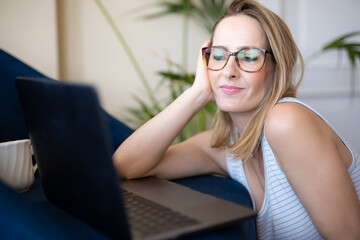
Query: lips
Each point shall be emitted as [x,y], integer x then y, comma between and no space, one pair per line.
[230,89]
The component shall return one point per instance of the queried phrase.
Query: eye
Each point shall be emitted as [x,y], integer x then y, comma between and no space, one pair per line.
[219,54]
[249,55]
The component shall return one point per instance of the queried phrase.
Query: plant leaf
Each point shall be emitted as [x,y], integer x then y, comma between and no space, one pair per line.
[339,40]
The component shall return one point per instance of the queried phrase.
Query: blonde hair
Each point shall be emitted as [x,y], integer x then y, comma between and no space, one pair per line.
[285,55]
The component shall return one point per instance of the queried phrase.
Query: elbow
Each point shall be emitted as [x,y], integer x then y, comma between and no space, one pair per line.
[121,167]
[126,167]
[123,172]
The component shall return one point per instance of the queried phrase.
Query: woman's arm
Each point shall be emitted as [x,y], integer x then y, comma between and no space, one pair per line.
[315,162]
[146,152]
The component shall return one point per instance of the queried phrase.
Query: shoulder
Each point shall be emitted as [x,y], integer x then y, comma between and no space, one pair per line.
[292,129]
[290,118]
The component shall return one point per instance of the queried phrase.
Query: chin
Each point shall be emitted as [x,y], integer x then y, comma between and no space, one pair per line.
[229,107]
[236,106]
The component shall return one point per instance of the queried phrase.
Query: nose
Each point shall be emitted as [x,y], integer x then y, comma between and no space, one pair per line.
[231,70]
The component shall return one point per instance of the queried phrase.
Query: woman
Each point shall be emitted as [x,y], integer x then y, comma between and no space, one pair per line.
[302,177]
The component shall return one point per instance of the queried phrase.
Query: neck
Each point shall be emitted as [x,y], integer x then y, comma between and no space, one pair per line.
[241,120]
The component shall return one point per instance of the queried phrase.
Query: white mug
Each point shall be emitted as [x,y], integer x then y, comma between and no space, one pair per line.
[16,168]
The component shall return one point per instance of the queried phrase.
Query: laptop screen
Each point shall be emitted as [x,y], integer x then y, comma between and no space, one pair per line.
[73,150]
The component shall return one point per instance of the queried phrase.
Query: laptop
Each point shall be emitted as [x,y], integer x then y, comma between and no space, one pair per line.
[72,146]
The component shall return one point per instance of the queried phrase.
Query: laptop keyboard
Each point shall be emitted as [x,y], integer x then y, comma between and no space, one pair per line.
[147,218]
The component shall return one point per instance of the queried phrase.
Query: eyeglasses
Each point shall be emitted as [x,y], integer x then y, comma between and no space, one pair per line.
[249,59]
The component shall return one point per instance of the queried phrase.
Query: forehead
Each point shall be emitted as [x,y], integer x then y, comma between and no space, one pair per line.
[239,31]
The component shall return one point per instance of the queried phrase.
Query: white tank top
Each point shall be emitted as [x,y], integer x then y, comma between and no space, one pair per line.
[282,215]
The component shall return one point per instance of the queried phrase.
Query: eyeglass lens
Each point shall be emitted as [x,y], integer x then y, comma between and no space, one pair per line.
[249,59]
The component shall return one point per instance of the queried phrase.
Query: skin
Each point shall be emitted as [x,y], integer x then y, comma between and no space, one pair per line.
[311,155]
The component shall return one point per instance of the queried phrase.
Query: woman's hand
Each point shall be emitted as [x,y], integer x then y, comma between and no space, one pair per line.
[202,81]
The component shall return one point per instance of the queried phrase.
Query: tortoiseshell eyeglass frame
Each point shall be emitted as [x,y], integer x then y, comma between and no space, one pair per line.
[235,54]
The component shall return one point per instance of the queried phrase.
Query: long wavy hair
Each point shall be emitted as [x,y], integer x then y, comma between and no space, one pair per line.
[285,56]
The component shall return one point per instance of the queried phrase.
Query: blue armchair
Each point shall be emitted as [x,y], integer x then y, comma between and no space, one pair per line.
[30,216]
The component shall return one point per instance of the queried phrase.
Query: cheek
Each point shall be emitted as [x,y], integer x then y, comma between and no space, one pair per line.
[258,83]
[261,85]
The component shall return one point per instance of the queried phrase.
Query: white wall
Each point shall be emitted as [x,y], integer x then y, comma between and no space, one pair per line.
[28,30]
[90,52]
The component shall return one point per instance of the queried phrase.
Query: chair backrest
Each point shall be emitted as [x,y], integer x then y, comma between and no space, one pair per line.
[12,124]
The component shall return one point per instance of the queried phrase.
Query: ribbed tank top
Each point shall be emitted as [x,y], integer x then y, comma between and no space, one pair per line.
[282,215]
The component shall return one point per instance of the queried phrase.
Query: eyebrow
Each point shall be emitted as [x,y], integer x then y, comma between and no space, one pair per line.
[237,48]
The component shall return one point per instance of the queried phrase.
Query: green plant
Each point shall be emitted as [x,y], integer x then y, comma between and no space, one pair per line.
[352,50]
[205,13]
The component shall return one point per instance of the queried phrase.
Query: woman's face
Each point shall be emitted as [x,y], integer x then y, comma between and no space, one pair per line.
[235,90]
